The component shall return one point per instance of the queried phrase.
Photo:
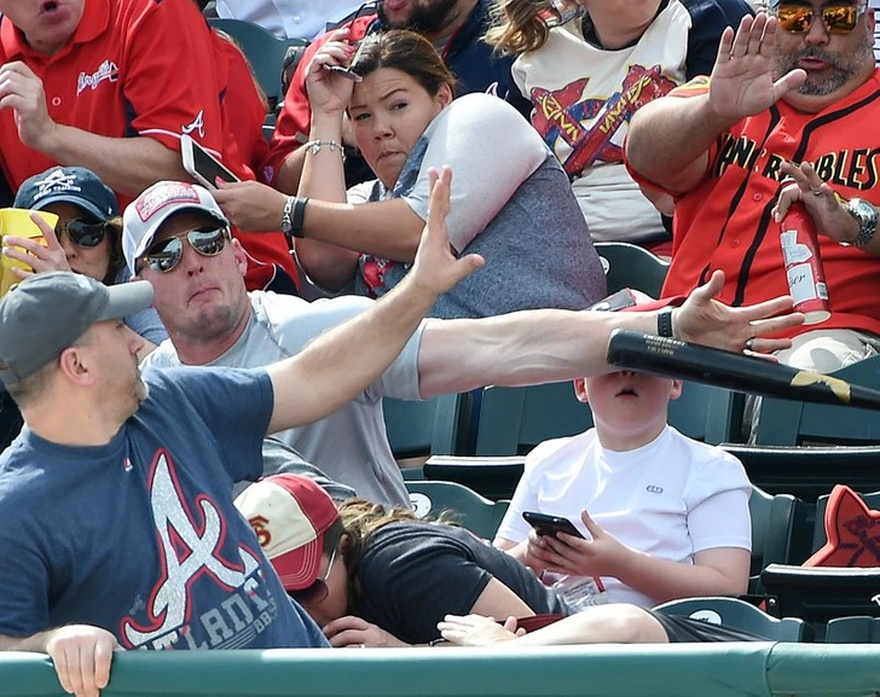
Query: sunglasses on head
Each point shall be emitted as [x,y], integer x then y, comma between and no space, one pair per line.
[85,232]
[166,254]
[318,591]
[838,19]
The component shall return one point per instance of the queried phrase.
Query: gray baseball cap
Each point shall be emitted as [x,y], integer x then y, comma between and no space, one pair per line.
[46,313]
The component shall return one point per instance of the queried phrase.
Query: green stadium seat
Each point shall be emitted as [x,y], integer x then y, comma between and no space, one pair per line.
[779,525]
[264,51]
[738,614]
[808,473]
[432,426]
[853,630]
[513,420]
[631,266]
[785,422]
[479,515]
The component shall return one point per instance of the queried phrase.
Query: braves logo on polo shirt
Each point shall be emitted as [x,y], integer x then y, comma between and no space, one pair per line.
[108,70]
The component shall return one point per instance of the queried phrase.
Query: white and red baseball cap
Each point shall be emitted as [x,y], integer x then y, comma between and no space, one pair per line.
[144,216]
[290,515]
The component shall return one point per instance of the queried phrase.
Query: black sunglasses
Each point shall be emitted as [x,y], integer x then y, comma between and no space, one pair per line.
[838,19]
[166,254]
[85,232]
[318,591]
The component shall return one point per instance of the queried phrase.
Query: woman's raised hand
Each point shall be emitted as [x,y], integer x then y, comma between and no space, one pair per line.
[329,92]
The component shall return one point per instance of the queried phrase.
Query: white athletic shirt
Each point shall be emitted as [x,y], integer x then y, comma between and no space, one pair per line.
[670,498]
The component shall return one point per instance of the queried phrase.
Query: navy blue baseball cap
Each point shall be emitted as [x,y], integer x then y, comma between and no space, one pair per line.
[76,185]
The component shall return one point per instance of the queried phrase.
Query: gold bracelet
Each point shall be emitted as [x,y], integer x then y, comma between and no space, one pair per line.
[314,147]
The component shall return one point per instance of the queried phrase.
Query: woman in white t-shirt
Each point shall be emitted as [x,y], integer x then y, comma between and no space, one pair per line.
[664,516]
[511,201]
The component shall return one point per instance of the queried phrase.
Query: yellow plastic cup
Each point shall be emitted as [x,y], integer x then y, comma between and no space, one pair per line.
[17,222]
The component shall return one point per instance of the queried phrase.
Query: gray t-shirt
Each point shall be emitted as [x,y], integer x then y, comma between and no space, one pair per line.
[511,203]
[350,445]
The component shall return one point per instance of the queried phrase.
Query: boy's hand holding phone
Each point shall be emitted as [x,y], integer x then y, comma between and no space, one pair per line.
[575,556]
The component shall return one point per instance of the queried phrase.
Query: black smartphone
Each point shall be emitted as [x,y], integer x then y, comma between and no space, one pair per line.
[550,524]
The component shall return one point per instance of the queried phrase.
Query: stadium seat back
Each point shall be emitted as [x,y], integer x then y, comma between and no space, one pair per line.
[738,614]
[479,515]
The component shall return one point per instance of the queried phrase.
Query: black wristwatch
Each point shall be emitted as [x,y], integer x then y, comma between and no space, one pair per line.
[866,216]
[664,322]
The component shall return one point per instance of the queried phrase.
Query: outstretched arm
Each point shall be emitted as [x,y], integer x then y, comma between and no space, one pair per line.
[669,138]
[81,654]
[535,346]
[334,368]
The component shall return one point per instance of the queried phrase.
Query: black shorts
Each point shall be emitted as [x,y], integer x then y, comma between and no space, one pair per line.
[685,630]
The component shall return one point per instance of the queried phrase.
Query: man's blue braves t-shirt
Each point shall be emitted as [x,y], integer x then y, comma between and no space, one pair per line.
[140,536]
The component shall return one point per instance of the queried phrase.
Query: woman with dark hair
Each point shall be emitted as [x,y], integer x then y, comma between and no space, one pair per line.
[87,238]
[511,200]
[377,577]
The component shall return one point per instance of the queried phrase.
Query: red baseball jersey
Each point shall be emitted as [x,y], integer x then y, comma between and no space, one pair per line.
[724,222]
[148,68]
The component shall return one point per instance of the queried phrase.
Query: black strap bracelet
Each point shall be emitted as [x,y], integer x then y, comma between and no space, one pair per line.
[664,322]
[299,212]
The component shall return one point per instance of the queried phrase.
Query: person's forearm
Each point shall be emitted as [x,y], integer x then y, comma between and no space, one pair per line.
[387,229]
[323,178]
[34,642]
[669,139]
[663,579]
[289,174]
[126,165]
[337,366]
[520,348]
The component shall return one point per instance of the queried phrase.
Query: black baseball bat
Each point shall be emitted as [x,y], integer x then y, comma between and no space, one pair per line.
[734,371]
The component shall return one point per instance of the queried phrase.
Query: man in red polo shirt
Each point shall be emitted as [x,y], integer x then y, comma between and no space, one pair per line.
[112,85]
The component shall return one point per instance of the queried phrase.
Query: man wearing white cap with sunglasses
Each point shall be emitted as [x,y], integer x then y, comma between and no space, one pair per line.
[173,237]
[788,116]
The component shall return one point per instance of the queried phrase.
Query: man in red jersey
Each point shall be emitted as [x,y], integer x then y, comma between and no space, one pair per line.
[788,116]
[112,85]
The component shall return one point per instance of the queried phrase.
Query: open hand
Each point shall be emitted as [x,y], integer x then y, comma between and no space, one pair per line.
[704,320]
[742,81]
[351,631]
[39,258]
[436,268]
[82,655]
[476,630]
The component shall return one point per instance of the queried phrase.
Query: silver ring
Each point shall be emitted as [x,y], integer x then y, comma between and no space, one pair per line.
[750,344]
[817,192]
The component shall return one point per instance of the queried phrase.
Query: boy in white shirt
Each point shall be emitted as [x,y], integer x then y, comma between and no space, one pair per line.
[664,516]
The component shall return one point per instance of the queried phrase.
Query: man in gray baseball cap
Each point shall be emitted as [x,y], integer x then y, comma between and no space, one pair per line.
[48,312]
[118,525]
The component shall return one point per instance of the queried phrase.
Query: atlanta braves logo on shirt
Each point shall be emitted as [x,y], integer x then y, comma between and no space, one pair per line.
[106,71]
[233,606]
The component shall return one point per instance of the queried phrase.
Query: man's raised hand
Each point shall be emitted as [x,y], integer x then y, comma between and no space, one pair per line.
[742,81]
[436,268]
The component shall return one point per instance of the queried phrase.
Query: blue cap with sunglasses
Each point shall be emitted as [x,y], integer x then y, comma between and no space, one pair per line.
[144,216]
[75,185]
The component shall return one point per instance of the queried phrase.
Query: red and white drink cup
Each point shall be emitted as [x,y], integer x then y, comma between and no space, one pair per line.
[803,265]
